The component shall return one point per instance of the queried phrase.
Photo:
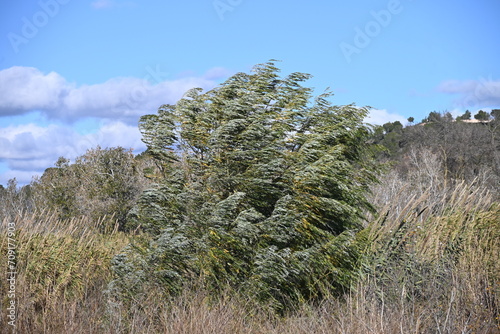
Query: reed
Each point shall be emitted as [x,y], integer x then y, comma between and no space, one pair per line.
[62,267]
[431,265]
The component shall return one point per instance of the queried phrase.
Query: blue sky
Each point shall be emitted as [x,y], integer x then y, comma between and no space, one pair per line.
[77,74]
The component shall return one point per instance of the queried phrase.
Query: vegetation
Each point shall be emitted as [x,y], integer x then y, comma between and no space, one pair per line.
[465,151]
[255,209]
[102,182]
[260,190]
[62,269]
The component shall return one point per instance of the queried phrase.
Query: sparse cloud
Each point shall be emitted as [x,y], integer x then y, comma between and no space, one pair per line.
[473,93]
[29,149]
[382,116]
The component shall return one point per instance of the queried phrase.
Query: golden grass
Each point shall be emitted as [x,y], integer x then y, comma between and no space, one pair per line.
[60,265]
[432,266]
[436,262]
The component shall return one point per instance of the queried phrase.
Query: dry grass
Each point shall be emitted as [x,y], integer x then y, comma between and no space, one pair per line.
[62,266]
[433,266]
[436,261]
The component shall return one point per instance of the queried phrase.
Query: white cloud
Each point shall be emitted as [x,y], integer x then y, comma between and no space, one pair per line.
[473,93]
[25,89]
[113,135]
[382,116]
[29,149]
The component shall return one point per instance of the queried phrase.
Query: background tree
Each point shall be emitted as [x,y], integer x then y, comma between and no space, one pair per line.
[433,116]
[464,151]
[393,127]
[465,116]
[57,188]
[102,182]
[447,117]
[390,136]
[482,115]
[495,113]
[261,190]
[14,199]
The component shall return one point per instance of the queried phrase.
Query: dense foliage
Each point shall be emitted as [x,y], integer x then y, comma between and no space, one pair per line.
[261,188]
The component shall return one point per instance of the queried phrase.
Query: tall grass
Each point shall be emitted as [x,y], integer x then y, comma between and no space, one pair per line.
[432,265]
[434,262]
[62,266]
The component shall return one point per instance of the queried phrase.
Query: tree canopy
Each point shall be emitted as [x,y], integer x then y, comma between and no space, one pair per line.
[482,115]
[261,188]
[102,182]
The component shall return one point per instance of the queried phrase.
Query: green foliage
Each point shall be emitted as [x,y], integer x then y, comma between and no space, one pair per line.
[390,136]
[438,117]
[465,116]
[260,189]
[495,113]
[102,182]
[482,115]
[433,116]
[393,127]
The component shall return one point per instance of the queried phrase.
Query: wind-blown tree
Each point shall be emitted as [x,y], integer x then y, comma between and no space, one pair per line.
[261,189]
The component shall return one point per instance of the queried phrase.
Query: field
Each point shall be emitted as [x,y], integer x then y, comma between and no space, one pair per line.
[431,265]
